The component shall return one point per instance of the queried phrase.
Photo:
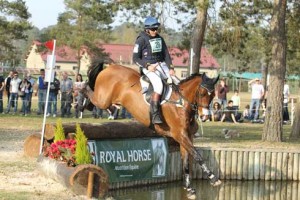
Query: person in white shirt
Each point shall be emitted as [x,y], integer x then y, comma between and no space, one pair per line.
[286,95]
[236,101]
[256,96]
[14,89]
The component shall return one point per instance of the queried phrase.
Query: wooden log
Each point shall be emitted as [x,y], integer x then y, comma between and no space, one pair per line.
[32,145]
[109,130]
[75,178]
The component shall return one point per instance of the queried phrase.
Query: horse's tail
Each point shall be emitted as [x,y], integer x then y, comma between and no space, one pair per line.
[93,71]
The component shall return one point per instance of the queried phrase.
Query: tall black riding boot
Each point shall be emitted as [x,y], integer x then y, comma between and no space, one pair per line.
[155,112]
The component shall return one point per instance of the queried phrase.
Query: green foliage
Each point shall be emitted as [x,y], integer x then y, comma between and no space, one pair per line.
[84,24]
[13,25]
[59,133]
[82,154]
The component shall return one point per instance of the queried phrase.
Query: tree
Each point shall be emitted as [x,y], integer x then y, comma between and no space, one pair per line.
[198,34]
[295,133]
[13,24]
[293,44]
[273,120]
[84,26]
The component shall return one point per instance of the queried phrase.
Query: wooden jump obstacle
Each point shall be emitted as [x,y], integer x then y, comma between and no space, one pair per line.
[227,163]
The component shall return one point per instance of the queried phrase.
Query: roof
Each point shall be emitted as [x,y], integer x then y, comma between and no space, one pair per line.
[119,52]
[63,54]
[122,53]
[180,58]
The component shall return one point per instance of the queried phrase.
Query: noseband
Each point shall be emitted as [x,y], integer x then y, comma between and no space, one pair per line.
[199,96]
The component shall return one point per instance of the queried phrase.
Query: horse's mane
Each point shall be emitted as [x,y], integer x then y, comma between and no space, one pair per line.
[189,78]
[94,69]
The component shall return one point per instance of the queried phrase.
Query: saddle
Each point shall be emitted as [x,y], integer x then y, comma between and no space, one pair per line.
[147,90]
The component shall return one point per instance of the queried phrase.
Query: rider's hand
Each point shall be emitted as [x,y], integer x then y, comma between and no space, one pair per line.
[172,72]
[152,67]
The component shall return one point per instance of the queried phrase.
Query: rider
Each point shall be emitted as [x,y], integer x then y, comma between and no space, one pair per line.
[151,54]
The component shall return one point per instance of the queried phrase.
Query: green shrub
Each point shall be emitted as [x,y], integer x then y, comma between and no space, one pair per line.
[59,133]
[82,154]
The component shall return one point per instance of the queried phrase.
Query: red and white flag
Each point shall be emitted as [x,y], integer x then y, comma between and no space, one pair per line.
[49,44]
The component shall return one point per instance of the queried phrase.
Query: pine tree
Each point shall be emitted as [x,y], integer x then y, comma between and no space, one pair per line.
[59,133]
[82,154]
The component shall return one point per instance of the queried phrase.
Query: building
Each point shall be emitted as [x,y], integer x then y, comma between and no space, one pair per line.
[66,59]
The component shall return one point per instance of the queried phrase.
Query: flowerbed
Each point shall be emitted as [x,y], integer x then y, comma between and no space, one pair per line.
[63,150]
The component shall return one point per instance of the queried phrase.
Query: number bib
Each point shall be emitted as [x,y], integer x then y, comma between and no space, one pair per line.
[156,45]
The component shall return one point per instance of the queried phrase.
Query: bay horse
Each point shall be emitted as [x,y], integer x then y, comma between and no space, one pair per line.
[120,85]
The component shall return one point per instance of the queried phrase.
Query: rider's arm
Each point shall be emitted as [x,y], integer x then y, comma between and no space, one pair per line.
[137,53]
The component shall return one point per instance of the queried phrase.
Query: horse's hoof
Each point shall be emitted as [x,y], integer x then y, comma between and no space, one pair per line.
[216,183]
[191,193]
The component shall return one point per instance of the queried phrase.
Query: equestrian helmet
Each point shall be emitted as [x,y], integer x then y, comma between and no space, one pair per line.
[151,22]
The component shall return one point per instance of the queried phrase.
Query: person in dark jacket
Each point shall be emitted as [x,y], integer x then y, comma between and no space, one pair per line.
[52,99]
[151,54]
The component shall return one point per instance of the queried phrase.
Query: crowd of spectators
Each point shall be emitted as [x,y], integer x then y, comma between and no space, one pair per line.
[70,96]
[68,92]
[231,111]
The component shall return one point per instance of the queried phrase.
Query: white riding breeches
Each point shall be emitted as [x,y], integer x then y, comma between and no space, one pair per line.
[161,72]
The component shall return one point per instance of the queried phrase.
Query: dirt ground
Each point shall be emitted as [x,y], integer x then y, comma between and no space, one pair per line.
[19,177]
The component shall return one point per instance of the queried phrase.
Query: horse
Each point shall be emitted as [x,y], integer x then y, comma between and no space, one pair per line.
[117,84]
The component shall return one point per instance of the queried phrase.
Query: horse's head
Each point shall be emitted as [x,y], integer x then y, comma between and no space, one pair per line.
[206,92]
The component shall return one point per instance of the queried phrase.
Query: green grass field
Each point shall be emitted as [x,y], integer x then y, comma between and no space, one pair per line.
[251,134]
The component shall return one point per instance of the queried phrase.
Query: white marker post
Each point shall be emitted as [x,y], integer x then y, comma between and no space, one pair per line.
[49,77]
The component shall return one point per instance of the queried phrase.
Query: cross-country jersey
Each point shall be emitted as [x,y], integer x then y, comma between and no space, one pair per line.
[149,50]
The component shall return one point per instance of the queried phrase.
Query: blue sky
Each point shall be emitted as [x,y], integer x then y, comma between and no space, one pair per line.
[44,12]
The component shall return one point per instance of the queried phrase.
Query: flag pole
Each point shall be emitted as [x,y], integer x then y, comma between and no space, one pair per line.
[47,96]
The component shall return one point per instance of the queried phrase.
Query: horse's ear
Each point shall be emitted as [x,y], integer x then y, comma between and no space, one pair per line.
[204,77]
[216,79]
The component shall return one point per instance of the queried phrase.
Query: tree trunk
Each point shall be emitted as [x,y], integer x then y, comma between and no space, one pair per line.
[295,133]
[198,34]
[273,121]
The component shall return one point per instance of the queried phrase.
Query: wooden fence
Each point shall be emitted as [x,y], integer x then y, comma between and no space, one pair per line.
[233,164]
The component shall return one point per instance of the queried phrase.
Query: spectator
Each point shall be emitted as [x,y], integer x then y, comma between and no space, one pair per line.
[113,111]
[216,112]
[97,112]
[2,85]
[125,114]
[221,93]
[228,115]
[66,87]
[205,117]
[286,95]
[246,113]
[14,89]
[52,100]
[32,82]
[79,97]
[41,92]
[256,97]
[7,86]
[24,90]
[236,101]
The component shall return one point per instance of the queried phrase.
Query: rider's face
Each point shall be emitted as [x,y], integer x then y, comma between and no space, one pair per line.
[153,32]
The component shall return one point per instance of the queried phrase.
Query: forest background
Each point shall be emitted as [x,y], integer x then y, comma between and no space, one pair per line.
[237,31]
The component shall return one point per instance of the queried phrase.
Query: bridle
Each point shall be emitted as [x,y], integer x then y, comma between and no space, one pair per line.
[199,96]
[194,104]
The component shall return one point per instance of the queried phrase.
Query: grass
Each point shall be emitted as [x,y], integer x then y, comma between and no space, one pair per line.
[251,134]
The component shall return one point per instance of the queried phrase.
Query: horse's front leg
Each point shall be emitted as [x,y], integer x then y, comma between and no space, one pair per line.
[186,143]
[191,192]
